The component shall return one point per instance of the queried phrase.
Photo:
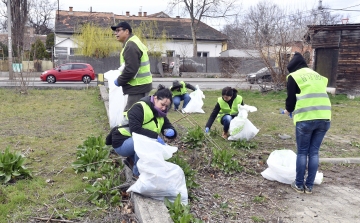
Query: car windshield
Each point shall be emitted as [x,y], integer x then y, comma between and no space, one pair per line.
[262,70]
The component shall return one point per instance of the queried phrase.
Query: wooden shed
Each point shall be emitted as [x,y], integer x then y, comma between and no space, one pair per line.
[337,55]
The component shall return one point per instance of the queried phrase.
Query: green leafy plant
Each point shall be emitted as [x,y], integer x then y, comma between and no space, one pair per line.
[180,213]
[259,199]
[194,138]
[214,132]
[91,155]
[355,144]
[223,160]
[12,166]
[243,144]
[103,191]
[188,171]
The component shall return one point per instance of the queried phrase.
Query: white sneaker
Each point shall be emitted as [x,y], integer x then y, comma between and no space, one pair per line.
[183,111]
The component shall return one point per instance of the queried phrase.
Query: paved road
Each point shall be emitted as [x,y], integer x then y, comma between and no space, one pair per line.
[204,83]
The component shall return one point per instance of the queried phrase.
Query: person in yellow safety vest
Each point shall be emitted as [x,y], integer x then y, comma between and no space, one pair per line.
[146,117]
[179,92]
[225,110]
[136,78]
[310,106]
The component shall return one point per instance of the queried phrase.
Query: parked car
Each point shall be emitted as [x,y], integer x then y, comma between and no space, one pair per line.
[69,72]
[262,75]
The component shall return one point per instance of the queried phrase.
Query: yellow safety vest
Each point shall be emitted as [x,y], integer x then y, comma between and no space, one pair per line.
[313,102]
[148,122]
[225,108]
[143,75]
[182,91]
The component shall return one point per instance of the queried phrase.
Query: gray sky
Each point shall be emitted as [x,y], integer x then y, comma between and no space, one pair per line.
[154,6]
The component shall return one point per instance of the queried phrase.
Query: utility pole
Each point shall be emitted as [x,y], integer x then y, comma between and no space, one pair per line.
[319,14]
[11,74]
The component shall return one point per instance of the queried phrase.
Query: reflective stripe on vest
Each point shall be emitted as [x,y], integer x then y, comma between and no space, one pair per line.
[225,108]
[143,75]
[182,91]
[148,122]
[313,102]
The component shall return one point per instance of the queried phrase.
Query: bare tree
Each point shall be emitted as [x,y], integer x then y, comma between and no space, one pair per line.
[200,9]
[19,17]
[41,15]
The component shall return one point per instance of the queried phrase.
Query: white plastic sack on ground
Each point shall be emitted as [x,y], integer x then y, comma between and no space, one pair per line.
[196,102]
[117,100]
[240,126]
[158,179]
[282,167]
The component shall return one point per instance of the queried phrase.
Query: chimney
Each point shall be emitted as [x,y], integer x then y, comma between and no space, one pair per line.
[178,17]
[127,13]
[145,14]
[70,9]
[90,8]
[139,14]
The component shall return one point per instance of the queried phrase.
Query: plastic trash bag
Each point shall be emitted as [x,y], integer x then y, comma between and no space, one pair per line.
[196,102]
[282,167]
[158,179]
[117,99]
[240,126]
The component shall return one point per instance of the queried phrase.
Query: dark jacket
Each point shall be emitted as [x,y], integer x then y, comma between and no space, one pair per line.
[216,110]
[132,57]
[136,118]
[296,63]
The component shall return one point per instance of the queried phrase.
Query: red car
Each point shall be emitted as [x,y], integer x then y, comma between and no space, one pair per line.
[69,72]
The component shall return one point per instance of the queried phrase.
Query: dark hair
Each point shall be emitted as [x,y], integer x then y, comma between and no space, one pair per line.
[228,91]
[163,92]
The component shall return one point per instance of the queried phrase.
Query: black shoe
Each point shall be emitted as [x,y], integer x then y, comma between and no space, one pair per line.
[308,190]
[128,163]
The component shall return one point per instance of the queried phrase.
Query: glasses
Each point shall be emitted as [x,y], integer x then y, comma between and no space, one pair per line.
[118,30]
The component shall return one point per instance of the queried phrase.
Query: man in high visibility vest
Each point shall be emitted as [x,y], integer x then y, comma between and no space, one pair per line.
[310,106]
[136,78]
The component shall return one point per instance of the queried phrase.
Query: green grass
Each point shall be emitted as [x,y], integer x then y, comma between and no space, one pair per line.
[48,125]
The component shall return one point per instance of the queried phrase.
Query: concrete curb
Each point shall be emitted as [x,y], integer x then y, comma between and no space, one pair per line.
[147,210]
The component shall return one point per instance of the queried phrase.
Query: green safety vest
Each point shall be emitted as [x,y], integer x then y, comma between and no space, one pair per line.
[225,108]
[182,91]
[313,102]
[148,122]
[143,75]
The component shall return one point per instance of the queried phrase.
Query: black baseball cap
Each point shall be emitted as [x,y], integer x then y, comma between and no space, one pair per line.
[123,25]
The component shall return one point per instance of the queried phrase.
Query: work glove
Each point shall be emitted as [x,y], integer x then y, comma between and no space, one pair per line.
[207,129]
[282,111]
[160,140]
[169,132]
[116,83]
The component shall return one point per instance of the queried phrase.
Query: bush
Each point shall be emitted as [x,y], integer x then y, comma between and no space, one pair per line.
[11,166]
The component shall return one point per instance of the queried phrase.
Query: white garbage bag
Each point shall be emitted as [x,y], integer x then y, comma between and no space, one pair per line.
[240,126]
[282,167]
[196,102]
[158,179]
[117,100]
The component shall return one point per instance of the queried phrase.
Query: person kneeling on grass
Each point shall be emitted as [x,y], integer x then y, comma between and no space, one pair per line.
[179,93]
[146,117]
[225,110]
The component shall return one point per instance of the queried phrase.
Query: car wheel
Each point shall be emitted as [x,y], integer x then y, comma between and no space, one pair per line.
[50,79]
[252,81]
[86,79]
[260,81]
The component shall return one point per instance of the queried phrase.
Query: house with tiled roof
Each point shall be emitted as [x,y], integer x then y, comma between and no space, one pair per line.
[210,42]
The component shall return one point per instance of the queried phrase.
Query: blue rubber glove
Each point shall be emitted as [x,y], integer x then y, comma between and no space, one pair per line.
[207,129]
[116,83]
[160,140]
[169,132]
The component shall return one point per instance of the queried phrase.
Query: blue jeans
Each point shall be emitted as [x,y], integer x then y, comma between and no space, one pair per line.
[225,121]
[176,99]
[309,135]
[127,150]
